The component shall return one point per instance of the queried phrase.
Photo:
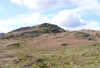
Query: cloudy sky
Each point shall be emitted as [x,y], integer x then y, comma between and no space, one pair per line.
[69,14]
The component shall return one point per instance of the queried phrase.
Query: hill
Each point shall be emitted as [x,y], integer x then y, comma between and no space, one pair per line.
[34,31]
[46,28]
[49,46]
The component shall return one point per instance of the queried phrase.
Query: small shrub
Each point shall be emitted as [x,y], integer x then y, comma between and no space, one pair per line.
[64,44]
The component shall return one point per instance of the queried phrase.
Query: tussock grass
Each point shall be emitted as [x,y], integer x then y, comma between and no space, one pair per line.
[83,56]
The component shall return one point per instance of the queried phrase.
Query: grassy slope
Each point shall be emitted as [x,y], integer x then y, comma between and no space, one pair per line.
[33,52]
[83,56]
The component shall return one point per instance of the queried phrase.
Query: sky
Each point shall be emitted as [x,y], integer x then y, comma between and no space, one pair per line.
[68,14]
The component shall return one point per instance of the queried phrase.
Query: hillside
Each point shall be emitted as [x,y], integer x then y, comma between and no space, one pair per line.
[46,28]
[49,46]
[34,31]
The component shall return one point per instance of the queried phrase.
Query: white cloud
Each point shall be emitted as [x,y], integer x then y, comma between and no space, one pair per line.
[32,19]
[69,19]
[39,4]
[19,2]
[46,4]
[22,21]
[28,19]
[6,25]
[89,6]
[83,6]
[91,25]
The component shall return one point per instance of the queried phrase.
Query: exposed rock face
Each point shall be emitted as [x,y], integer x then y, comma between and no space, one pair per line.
[50,28]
